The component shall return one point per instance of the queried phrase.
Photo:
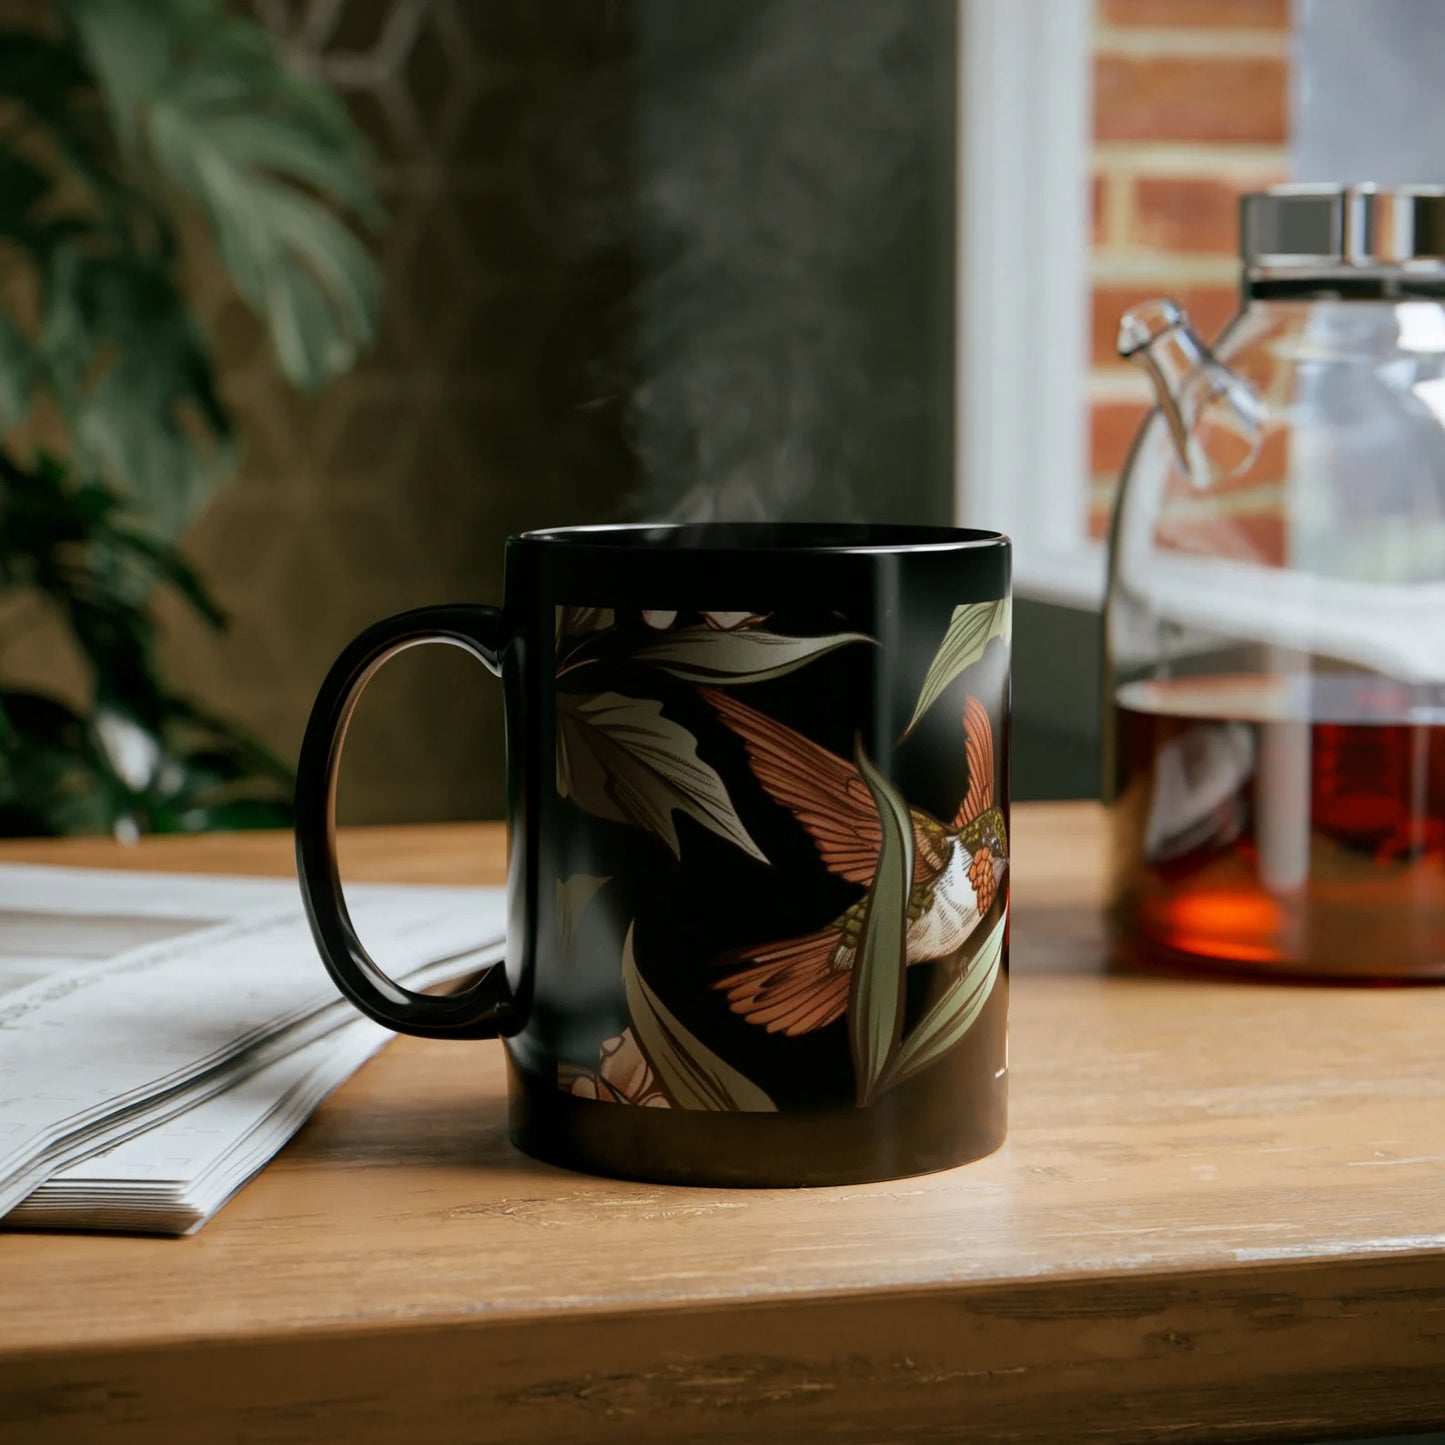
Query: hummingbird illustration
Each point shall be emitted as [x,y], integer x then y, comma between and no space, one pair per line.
[802,984]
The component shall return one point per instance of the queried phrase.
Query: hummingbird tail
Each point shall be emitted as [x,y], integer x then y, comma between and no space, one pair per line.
[790,988]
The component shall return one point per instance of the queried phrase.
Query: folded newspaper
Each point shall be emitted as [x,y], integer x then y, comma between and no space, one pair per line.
[161,1036]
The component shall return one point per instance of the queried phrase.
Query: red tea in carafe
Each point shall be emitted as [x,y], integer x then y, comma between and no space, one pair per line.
[1291,826]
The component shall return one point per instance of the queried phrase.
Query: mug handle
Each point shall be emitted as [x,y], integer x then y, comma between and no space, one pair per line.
[479,1012]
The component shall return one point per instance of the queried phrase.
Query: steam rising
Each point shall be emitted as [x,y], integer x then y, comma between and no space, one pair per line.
[778,173]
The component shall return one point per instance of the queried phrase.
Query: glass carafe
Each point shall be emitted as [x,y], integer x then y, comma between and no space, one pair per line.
[1275,623]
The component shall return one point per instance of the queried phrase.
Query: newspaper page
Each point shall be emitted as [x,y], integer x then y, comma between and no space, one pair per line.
[128,998]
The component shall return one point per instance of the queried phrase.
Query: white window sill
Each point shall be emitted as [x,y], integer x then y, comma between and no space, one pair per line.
[1066,577]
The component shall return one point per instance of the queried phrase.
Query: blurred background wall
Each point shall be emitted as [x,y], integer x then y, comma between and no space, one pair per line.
[643,259]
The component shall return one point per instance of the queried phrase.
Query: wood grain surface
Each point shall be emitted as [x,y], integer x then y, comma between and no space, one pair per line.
[1220,1215]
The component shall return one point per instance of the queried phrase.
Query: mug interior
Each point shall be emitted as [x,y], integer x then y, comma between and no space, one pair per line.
[766,537]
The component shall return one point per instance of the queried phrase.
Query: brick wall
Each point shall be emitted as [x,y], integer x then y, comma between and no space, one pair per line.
[1190,109]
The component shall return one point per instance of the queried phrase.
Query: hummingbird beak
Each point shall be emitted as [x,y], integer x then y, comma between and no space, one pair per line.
[1000,867]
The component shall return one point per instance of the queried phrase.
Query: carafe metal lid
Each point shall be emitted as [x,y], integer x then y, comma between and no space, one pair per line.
[1329,228]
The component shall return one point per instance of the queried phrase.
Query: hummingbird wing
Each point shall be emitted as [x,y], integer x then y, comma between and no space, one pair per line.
[978,744]
[827,795]
[790,987]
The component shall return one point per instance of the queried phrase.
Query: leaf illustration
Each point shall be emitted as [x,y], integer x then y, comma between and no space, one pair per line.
[705,654]
[970,631]
[693,1076]
[946,1023]
[572,621]
[573,896]
[876,993]
[619,758]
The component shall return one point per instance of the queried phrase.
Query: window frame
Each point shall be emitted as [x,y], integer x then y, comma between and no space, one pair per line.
[1021,462]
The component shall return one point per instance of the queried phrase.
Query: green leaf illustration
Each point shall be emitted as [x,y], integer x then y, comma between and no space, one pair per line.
[876,993]
[702,654]
[693,1076]
[573,896]
[619,758]
[573,621]
[946,1023]
[970,631]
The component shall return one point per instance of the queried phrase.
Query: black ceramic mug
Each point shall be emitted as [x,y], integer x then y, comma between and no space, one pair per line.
[759,851]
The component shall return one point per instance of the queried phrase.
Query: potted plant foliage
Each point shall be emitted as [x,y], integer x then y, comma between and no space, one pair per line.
[125,124]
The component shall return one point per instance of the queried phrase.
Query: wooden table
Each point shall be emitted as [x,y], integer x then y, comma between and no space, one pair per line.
[1220,1215]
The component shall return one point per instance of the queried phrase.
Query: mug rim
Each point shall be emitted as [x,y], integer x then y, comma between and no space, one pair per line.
[776,538]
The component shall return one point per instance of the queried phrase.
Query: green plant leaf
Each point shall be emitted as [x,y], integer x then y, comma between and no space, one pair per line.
[17,374]
[953,1015]
[693,1076]
[204,99]
[121,109]
[52,781]
[231,815]
[132,373]
[619,758]
[573,896]
[877,990]
[22,187]
[313,282]
[142,756]
[250,752]
[39,72]
[166,564]
[46,80]
[702,654]
[126,45]
[970,631]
